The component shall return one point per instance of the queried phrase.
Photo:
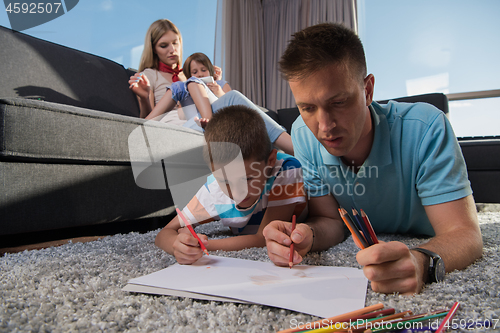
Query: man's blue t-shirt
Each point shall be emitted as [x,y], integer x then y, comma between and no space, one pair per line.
[415,161]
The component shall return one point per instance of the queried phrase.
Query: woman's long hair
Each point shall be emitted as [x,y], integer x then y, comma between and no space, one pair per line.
[157,29]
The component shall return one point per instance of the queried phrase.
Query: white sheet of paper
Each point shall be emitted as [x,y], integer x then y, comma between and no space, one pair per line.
[322,291]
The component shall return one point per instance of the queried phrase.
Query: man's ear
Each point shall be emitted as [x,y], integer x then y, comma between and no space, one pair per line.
[271,161]
[369,88]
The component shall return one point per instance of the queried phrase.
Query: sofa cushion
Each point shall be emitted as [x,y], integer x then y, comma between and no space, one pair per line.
[49,196]
[43,131]
[63,166]
[38,69]
[481,153]
[439,100]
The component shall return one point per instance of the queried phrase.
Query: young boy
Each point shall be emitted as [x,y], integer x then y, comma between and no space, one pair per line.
[251,185]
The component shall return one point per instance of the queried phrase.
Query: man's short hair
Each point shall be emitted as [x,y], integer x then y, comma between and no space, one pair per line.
[315,47]
[241,126]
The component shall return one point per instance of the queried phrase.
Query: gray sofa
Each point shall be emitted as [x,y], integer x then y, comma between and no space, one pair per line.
[65,121]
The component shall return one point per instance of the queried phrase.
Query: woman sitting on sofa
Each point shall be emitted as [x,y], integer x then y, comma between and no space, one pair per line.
[160,66]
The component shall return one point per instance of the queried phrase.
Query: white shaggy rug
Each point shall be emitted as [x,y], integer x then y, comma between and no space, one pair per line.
[77,287]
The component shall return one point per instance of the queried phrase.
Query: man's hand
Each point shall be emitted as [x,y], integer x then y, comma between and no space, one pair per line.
[186,248]
[392,267]
[278,241]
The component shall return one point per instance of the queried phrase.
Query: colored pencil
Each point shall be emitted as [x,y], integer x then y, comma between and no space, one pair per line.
[402,316]
[362,226]
[339,318]
[395,316]
[448,317]
[369,226]
[375,314]
[369,316]
[344,325]
[411,319]
[188,225]
[358,239]
[290,261]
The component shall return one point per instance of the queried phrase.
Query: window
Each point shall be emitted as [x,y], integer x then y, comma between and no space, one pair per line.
[450,46]
[115,29]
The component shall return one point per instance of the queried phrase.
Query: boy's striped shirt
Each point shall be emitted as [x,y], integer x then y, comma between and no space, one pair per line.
[285,186]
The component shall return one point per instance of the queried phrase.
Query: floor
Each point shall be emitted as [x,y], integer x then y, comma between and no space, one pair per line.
[154,225]
[49,238]
[44,245]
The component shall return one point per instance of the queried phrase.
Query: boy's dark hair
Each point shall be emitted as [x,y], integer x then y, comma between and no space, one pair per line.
[315,47]
[241,126]
[200,58]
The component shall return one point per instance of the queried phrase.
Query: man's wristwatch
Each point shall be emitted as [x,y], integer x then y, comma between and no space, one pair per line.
[436,265]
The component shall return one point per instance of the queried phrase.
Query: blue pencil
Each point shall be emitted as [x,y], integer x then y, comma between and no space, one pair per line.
[362,226]
[352,228]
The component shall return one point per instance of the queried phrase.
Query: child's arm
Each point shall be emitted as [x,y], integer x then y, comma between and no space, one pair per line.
[180,243]
[283,213]
[165,104]
[218,90]
[200,98]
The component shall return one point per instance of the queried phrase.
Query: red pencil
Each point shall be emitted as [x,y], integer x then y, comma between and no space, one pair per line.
[448,317]
[369,226]
[290,261]
[188,225]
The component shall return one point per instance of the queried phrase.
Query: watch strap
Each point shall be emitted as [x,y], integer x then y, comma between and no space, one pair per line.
[428,252]
[433,259]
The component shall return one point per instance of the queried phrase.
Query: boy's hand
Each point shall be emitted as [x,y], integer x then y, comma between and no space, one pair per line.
[392,267]
[278,241]
[186,248]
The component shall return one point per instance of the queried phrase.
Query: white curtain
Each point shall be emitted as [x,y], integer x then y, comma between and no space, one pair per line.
[253,34]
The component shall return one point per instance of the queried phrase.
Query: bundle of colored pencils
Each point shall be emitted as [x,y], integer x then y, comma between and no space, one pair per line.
[361,230]
[372,319]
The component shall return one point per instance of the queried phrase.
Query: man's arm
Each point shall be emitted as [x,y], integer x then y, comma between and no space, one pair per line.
[324,219]
[322,230]
[392,267]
